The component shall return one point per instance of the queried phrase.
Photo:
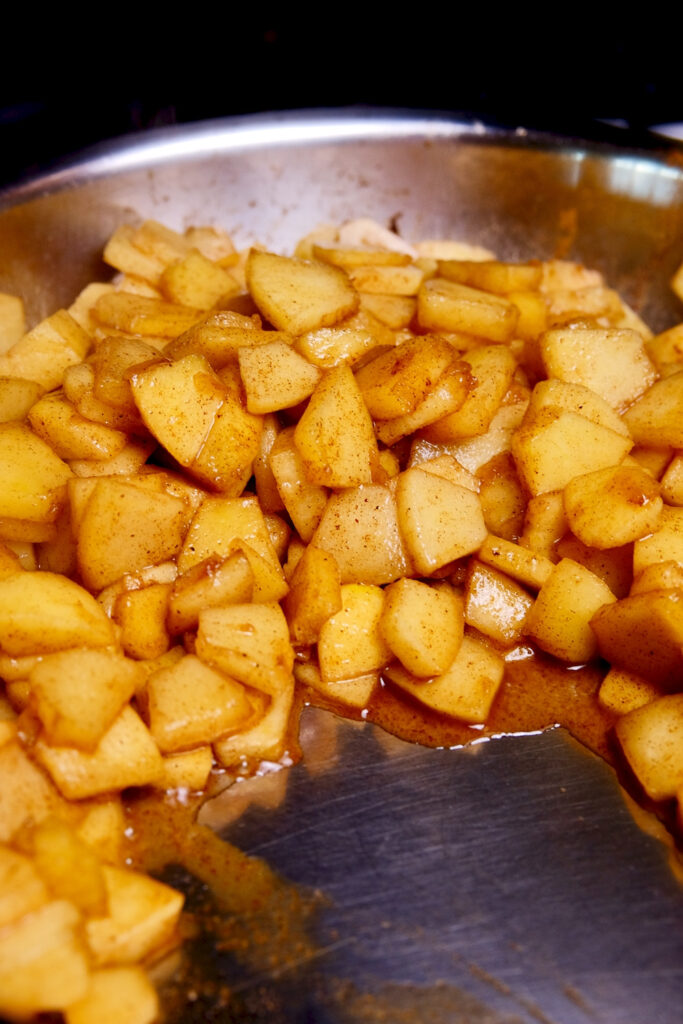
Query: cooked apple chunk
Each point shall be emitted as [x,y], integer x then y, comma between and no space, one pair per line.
[652,740]
[559,621]
[422,625]
[334,435]
[190,704]
[125,756]
[439,520]
[350,642]
[610,361]
[298,296]
[42,612]
[78,693]
[613,506]
[466,690]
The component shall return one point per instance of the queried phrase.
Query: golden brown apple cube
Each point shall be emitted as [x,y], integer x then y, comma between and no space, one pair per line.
[161,241]
[70,868]
[354,693]
[46,351]
[545,524]
[672,481]
[264,481]
[667,347]
[394,311]
[305,502]
[554,446]
[127,462]
[622,691]
[142,919]
[644,634]
[533,318]
[610,361]
[125,528]
[387,280]
[666,575]
[190,704]
[41,612]
[360,528]
[655,419]
[125,756]
[197,282]
[34,478]
[423,625]
[214,243]
[43,963]
[69,434]
[350,256]
[16,397]
[451,249]
[116,994]
[314,595]
[223,525]
[492,368]
[142,614]
[79,383]
[265,740]
[495,604]
[187,770]
[225,461]
[113,362]
[613,565]
[431,459]
[446,396]
[503,499]
[219,336]
[466,690]
[395,382]
[122,253]
[22,889]
[663,544]
[614,506]
[439,520]
[572,397]
[446,306]
[78,693]
[178,403]
[492,275]
[208,584]
[23,531]
[350,643]
[347,343]
[32,795]
[334,436]
[249,642]
[298,296]
[652,740]
[138,314]
[528,567]
[102,828]
[560,619]
[275,377]
[585,308]
[9,564]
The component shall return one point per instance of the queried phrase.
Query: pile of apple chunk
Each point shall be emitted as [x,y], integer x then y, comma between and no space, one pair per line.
[226,473]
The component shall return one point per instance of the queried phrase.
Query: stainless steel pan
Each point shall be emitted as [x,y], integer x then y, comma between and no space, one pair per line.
[508,882]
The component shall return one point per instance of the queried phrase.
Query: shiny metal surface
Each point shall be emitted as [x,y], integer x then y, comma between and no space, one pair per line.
[508,882]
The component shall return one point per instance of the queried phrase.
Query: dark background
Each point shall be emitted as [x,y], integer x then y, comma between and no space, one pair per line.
[68,81]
